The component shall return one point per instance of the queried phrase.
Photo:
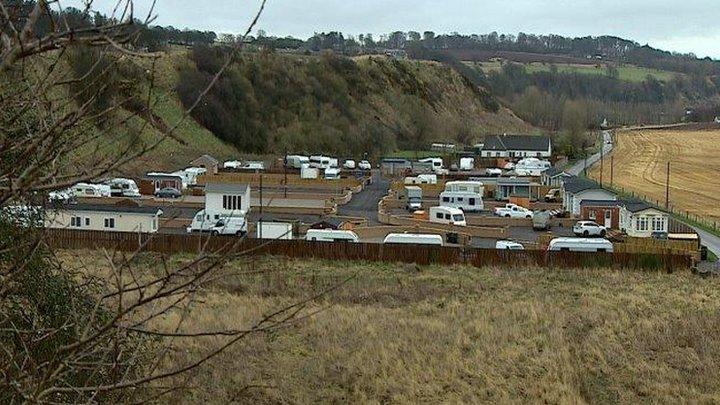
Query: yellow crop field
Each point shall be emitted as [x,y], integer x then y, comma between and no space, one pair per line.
[640,165]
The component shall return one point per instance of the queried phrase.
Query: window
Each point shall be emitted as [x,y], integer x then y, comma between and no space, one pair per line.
[75,222]
[461,199]
[608,216]
[471,201]
[87,221]
[446,199]
[439,215]
[658,224]
[110,223]
[641,224]
[154,224]
[592,215]
[447,216]
[232,202]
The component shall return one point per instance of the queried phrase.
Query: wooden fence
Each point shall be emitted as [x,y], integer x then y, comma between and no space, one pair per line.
[423,255]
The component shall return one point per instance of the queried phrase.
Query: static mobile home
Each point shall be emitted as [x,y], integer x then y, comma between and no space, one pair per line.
[95,217]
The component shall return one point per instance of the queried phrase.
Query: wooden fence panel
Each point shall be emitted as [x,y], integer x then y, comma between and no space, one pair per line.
[419,254]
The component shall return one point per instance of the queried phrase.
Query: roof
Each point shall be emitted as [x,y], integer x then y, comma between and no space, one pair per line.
[163,175]
[600,203]
[207,158]
[226,188]
[576,184]
[395,160]
[517,142]
[555,171]
[636,205]
[107,208]
[513,182]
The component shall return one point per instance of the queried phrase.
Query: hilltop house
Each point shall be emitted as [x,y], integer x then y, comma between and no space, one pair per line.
[229,199]
[517,146]
[124,217]
[575,190]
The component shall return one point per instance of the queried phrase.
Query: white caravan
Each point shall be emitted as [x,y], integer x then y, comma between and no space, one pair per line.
[476,187]
[531,167]
[349,164]
[330,235]
[123,188]
[274,230]
[307,172]
[323,162]
[437,164]
[580,245]
[447,215]
[467,164]
[464,200]
[332,174]
[189,176]
[508,245]
[413,239]
[296,161]
[90,190]
[232,164]
[205,221]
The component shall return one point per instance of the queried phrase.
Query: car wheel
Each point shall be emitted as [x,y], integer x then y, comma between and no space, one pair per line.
[528,216]
[586,233]
[507,216]
[215,233]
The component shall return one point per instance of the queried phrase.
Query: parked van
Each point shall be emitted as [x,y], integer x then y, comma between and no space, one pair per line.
[413,239]
[413,198]
[447,215]
[329,235]
[123,188]
[466,201]
[332,174]
[230,226]
[580,245]
[204,221]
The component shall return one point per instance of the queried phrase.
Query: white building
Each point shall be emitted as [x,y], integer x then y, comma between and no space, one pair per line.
[96,217]
[575,190]
[517,146]
[230,199]
[640,220]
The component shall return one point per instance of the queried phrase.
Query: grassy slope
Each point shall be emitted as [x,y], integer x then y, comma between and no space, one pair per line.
[405,334]
[626,72]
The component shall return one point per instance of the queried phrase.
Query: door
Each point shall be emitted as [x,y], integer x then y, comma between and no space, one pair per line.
[608,219]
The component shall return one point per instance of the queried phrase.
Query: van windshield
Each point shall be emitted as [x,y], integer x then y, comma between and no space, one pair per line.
[458,217]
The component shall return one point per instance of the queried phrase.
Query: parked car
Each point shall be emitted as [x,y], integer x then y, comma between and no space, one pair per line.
[364,165]
[349,164]
[508,245]
[168,192]
[494,172]
[513,211]
[589,228]
[580,245]
[230,226]
[553,195]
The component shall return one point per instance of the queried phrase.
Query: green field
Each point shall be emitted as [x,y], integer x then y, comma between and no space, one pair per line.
[627,72]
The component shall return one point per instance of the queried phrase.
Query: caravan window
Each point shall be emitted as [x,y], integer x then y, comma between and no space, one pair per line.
[458,217]
[448,217]
[472,201]
[461,199]
[446,199]
[439,215]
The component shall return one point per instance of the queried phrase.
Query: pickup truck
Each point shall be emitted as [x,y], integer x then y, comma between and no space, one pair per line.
[513,211]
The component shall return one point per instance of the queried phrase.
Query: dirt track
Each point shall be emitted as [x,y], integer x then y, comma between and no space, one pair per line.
[641,162]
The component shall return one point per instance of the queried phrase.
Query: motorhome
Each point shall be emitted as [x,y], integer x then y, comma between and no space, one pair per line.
[332,174]
[204,221]
[413,198]
[464,200]
[123,188]
[90,190]
[296,161]
[330,235]
[531,167]
[323,162]
[230,226]
[413,239]
[447,215]
[437,163]
[580,245]
[476,187]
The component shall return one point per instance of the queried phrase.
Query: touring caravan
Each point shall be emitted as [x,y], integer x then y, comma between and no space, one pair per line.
[580,245]
[447,215]
[90,190]
[476,187]
[323,162]
[330,235]
[296,161]
[531,167]
[332,174]
[123,188]
[467,164]
[206,221]
[464,200]
[413,239]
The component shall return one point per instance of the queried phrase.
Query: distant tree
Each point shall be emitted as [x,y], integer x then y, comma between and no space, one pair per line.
[428,36]
[414,36]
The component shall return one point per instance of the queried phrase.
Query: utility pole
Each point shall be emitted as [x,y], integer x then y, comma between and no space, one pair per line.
[285,166]
[602,168]
[585,155]
[667,188]
[612,168]
[261,205]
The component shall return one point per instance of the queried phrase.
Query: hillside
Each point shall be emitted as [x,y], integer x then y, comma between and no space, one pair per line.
[401,333]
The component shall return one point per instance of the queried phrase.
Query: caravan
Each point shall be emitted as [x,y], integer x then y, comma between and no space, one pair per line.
[413,239]
[448,216]
[330,235]
[323,162]
[90,190]
[531,167]
[332,174]
[580,245]
[123,188]
[476,187]
[464,200]
[296,161]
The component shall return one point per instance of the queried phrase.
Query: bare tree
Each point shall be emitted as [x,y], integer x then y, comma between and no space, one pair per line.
[71,337]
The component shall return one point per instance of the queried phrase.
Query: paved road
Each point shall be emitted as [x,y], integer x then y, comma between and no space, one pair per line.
[579,167]
[364,204]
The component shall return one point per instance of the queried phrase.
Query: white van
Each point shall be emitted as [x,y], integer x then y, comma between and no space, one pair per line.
[332,174]
[330,235]
[230,226]
[413,239]
[466,201]
[580,245]
[447,215]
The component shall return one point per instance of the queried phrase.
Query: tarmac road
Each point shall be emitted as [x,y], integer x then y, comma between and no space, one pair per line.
[365,203]
[578,167]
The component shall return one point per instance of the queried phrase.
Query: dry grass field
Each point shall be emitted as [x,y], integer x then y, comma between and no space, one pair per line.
[641,165]
[405,334]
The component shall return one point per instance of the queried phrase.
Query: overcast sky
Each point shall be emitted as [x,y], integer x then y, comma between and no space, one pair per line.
[683,26]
